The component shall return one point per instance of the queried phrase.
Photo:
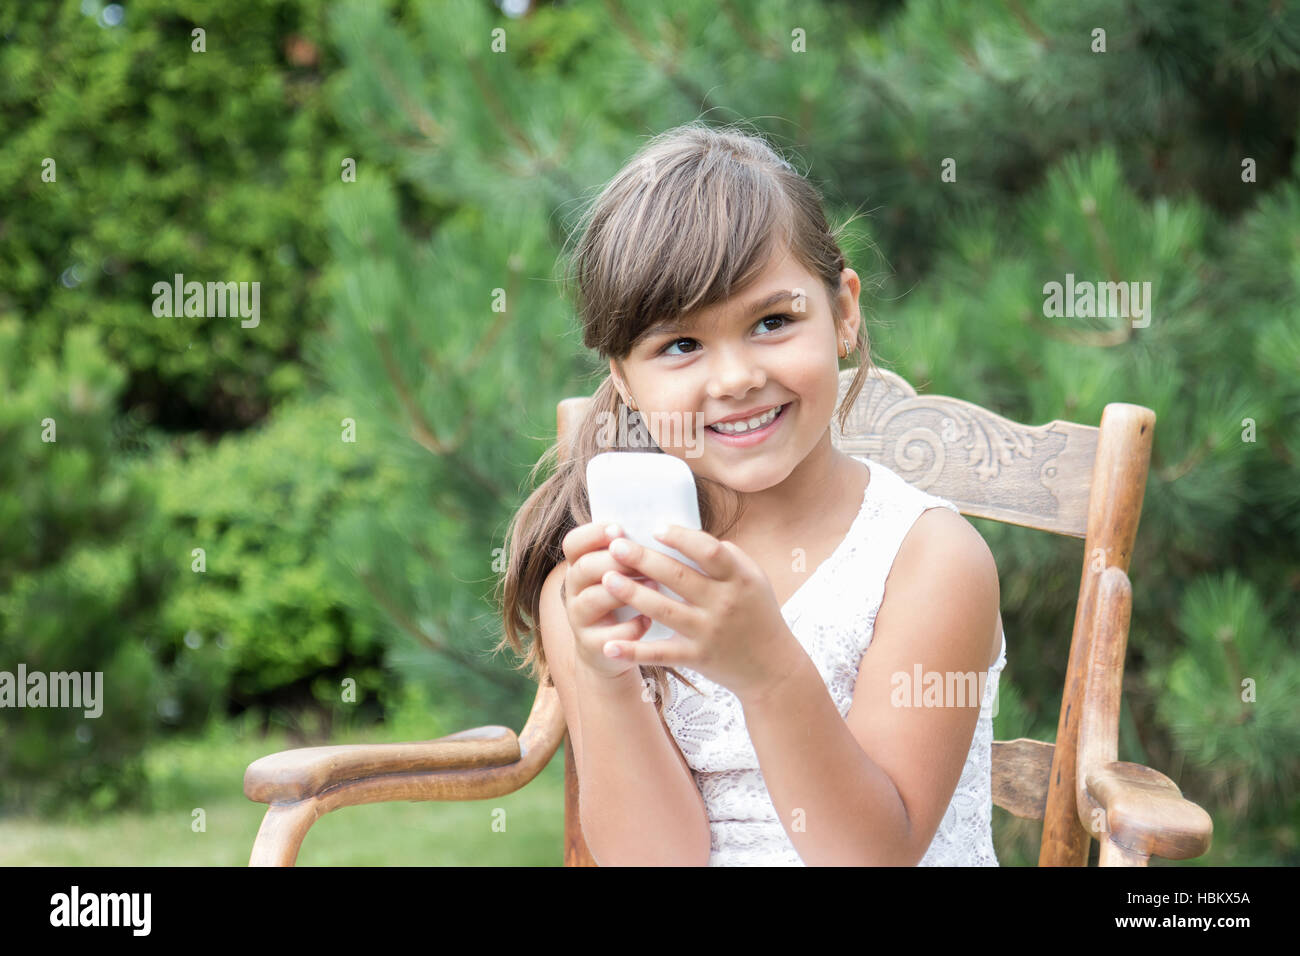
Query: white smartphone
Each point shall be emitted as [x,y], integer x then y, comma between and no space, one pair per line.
[637,491]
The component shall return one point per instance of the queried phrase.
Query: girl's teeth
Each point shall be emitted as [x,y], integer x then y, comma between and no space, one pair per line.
[739,428]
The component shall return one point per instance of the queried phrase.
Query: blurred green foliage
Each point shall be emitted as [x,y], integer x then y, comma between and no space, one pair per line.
[168,160]
[98,573]
[253,613]
[76,592]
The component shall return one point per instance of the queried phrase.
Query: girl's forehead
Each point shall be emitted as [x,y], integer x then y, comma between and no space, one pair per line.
[780,281]
[781,270]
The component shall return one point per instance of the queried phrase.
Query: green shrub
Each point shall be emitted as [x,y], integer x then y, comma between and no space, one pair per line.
[76,593]
[167,160]
[268,620]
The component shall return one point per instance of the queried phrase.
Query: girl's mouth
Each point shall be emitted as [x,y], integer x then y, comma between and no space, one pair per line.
[750,436]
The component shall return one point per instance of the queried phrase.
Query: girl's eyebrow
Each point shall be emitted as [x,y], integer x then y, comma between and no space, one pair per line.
[677,325]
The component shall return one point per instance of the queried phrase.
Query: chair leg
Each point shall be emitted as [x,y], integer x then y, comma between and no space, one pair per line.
[282,831]
[1112,854]
[576,852]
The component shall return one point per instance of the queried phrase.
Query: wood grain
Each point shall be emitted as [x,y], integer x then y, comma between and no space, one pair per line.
[1020,771]
[1036,476]
[1118,483]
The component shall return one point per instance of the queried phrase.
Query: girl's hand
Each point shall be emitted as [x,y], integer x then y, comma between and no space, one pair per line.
[731,630]
[589,606]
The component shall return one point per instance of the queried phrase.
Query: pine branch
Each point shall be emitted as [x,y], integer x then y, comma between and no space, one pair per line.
[401,620]
[665,65]
[1225,635]
[555,171]
[805,115]
[1030,26]
[420,118]
[502,319]
[1093,339]
[557,163]
[745,31]
[966,52]
[1277,448]
[410,627]
[1101,244]
[1171,473]
[421,431]
[496,106]
[552,170]
[483,480]
[435,564]
[1101,241]
[878,86]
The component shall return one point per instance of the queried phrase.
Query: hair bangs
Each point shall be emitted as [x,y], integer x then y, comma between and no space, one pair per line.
[680,257]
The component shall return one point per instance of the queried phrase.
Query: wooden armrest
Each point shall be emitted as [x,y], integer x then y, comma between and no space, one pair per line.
[302,785]
[293,775]
[1135,808]
[1147,814]
[469,765]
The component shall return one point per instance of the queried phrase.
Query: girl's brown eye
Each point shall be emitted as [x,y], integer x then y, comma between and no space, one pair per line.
[665,349]
[785,320]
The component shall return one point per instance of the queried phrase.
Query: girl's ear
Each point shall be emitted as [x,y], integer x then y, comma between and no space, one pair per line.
[850,315]
[623,391]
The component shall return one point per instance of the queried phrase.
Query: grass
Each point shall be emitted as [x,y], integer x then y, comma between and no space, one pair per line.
[206,773]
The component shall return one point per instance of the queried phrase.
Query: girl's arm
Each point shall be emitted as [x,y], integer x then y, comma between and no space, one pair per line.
[639,804]
[871,788]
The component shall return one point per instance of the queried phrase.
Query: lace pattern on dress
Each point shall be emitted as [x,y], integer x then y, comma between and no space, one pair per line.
[709,727]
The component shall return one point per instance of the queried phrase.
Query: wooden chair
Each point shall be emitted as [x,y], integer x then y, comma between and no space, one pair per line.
[1077,480]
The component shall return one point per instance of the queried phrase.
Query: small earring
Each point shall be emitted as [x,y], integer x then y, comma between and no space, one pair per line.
[847,349]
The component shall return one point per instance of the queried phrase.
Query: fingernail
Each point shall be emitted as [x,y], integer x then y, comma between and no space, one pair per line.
[613,650]
[612,530]
[621,548]
[661,529]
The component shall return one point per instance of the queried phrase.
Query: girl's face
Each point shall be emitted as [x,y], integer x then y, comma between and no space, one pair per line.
[773,346]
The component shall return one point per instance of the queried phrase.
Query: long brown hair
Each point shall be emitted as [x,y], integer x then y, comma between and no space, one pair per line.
[689,220]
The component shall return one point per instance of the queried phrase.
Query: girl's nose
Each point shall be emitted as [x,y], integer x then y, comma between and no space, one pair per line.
[735,374]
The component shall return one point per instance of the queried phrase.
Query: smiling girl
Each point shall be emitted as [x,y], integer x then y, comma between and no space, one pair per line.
[779,724]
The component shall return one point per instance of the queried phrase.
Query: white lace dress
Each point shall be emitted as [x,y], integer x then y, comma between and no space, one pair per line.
[711,732]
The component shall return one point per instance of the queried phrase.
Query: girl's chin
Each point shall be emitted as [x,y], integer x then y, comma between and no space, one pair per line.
[743,480]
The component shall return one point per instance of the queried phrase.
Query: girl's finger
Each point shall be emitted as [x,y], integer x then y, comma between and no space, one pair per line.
[589,569]
[672,652]
[632,630]
[595,603]
[671,613]
[659,567]
[714,558]
[587,537]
